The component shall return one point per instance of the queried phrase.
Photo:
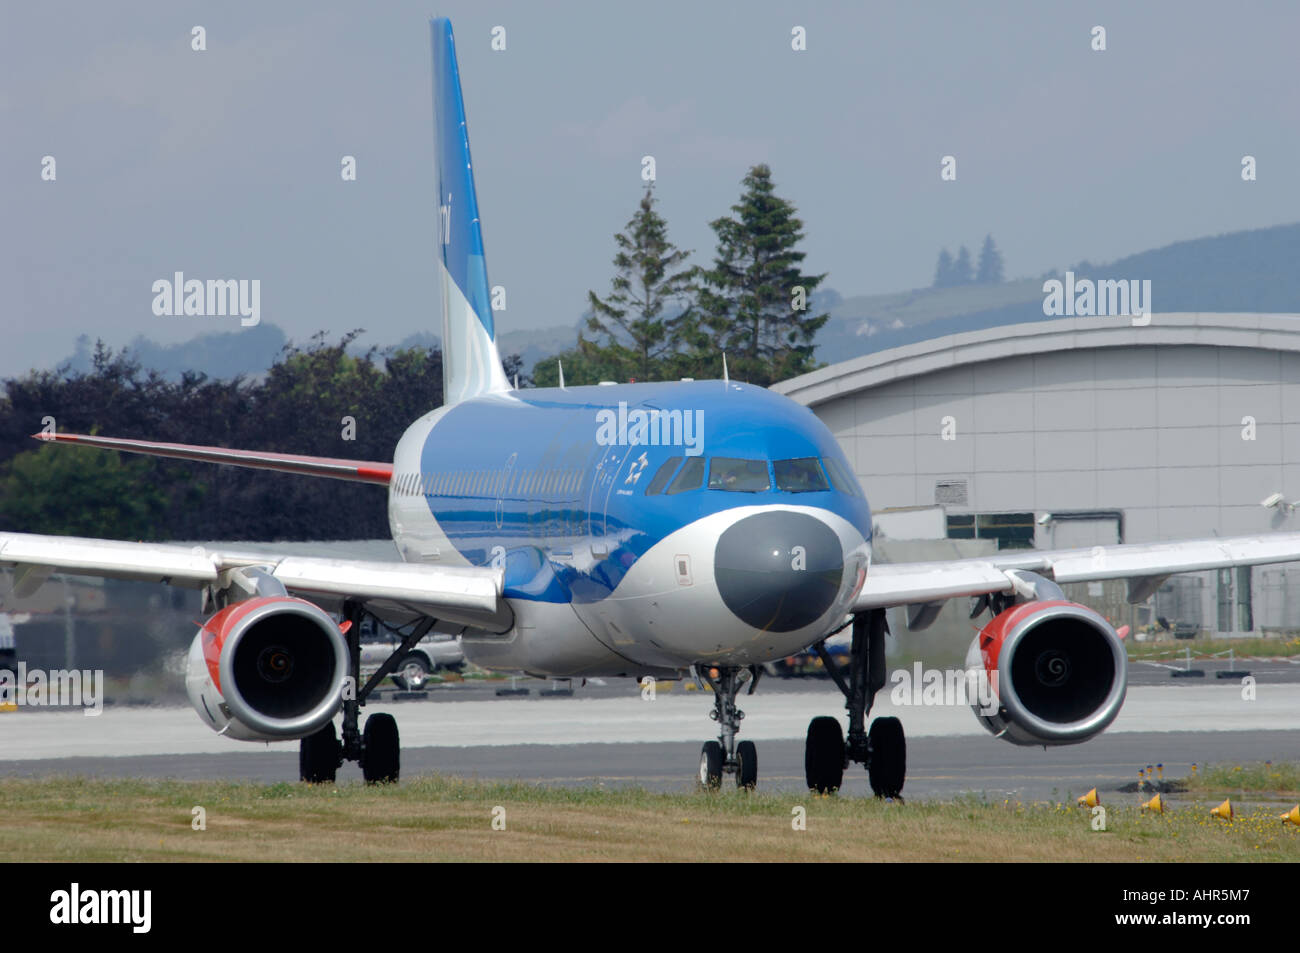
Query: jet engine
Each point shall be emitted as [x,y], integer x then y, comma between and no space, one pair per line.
[1055,673]
[271,668]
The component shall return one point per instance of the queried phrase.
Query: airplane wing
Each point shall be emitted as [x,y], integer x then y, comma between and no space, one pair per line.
[361,471]
[468,595]
[1144,565]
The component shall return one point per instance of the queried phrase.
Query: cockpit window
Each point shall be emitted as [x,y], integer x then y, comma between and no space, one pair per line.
[738,476]
[801,475]
[662,476]
[690,477]
[844,482]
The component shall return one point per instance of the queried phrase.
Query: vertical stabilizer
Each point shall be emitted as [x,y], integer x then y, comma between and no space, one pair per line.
[470,363]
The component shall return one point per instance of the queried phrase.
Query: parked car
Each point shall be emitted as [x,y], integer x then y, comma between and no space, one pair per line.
[809,662]
[432,653]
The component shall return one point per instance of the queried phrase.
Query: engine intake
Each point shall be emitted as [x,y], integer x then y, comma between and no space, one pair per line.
[1058,670]
[268,668]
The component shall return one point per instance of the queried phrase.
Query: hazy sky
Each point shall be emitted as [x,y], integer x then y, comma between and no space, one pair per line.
[226,163]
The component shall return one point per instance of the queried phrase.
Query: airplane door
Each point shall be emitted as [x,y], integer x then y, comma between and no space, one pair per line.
[602,485]
[503,484]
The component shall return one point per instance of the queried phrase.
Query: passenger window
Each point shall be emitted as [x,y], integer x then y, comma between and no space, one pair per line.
[738,476]
[802,475]
[662,476]
[690,477]
[842,481]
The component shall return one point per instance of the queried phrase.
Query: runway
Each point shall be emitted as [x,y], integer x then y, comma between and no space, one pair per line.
[609,734]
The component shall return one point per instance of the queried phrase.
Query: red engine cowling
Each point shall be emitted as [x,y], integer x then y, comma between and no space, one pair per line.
[270,668]
[1056,670]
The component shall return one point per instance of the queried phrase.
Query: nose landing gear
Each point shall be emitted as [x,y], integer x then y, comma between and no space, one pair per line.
[883,749]
[726,756]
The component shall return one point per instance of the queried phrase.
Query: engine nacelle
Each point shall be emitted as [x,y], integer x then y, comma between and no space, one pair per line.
[267,669]
[1057,669]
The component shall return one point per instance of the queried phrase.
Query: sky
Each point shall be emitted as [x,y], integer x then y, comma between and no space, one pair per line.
[225,163]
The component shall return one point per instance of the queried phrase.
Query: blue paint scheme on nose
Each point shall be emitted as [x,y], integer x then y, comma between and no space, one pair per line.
[528,473]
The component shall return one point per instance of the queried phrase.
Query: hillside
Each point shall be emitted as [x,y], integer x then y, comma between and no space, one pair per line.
[1242,271]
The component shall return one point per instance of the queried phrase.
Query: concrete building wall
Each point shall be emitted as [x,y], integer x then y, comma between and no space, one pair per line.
[1183,427]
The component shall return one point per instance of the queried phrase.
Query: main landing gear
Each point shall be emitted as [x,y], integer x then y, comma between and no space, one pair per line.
[378,747]
[883,749]
[725,756]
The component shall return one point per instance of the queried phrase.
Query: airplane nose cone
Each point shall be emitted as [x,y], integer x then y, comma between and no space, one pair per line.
[778,571]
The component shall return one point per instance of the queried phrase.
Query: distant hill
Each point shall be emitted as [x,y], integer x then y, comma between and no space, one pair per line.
[1254,270]
[1242,271]
[220,355]
[531,346]
[250,351]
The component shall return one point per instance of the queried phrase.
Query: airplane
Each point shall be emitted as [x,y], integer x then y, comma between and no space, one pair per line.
[668,530]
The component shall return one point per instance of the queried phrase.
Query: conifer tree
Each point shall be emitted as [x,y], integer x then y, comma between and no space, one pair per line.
[754,302]
[962,273]
[634,331]
[990,266]
[943,270]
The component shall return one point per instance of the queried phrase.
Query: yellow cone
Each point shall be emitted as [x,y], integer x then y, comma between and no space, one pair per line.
[1293,816]
[1155,804]
[1224,810]
[1090,799]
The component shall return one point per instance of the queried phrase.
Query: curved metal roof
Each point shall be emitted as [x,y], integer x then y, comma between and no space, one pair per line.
[1273,332]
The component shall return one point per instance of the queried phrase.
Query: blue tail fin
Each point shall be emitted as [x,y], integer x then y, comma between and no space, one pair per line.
[470,362]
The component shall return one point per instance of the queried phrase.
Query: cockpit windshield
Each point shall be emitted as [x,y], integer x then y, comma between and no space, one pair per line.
[801,475]
[738,476]
[844,481]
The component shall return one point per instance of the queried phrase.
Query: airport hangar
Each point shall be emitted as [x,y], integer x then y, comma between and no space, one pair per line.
[1079,432]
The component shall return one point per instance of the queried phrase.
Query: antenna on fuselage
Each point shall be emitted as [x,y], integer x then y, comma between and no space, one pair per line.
[560,364]
[726,378]
[516,382]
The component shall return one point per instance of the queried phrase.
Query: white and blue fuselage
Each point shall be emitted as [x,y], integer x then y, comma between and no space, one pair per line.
[641,528]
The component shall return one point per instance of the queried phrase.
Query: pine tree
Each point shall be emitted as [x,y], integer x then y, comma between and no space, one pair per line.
[943,270]
[753,303]
[990,267]
[961,268]
[635,330]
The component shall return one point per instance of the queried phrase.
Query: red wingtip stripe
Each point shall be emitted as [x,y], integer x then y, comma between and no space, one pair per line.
[365,471]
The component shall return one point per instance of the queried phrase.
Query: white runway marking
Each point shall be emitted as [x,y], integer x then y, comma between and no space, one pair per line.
[679,716]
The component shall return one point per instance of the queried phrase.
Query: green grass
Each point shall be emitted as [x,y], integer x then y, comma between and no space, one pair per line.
[1175,650]
[1282,780]
[435,818]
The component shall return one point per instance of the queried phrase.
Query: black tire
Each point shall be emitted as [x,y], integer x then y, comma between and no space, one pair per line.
[318,756]
[381,751]
[411,675]
[823,755]
[887,768]
[747,768]
[711,766]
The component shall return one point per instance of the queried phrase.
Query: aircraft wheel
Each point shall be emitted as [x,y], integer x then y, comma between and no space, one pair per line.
[412,674]
[747,768]
[711,766]
[823,755]
[318,756]
[888,766]
[381,750]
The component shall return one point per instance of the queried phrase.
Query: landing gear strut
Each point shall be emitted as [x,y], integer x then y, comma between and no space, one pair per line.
[883,749]
[725,756]
[378,748]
